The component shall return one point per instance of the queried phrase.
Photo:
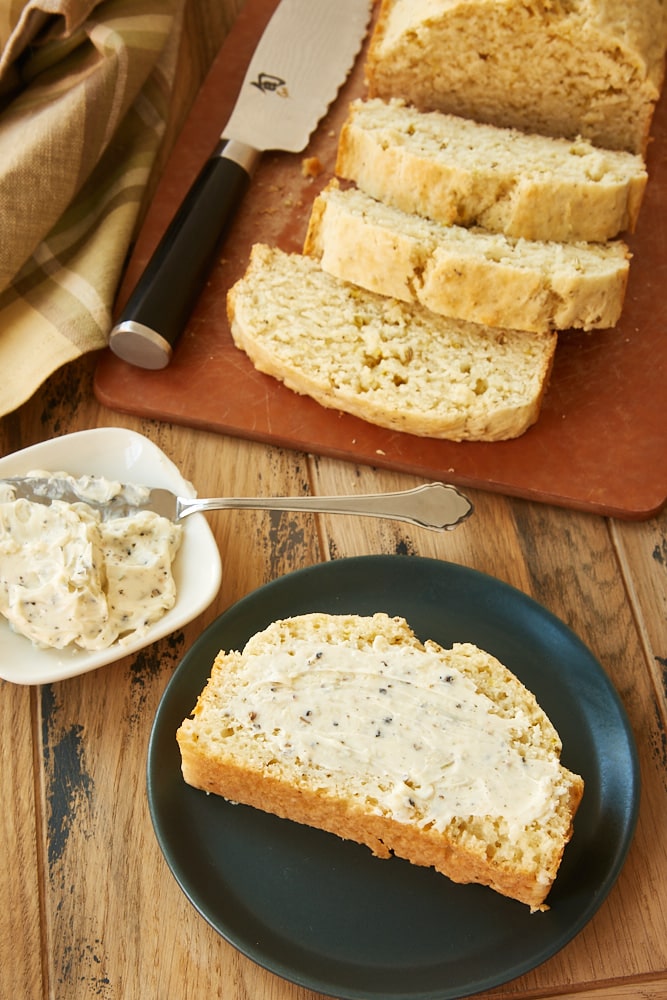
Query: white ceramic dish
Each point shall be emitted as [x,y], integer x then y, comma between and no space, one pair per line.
[124,455]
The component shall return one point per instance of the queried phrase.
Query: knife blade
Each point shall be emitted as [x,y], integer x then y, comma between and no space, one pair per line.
[303,57]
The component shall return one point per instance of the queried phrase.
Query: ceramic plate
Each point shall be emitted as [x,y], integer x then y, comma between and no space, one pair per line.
[129,457]
[326,914]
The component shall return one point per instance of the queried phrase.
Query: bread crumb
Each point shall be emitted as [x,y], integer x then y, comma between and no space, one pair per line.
[311,166]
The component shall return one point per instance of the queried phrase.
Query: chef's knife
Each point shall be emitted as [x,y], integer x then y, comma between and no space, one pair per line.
[304,56]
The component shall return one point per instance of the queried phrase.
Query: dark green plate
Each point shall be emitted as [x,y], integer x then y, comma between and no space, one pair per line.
[325,913]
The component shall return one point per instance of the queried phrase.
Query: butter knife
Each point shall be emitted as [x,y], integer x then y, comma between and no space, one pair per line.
[434,505]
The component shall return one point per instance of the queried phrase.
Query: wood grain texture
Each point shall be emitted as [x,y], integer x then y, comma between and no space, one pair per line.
[21,913]
[94,735]
[125,922]
[89,906]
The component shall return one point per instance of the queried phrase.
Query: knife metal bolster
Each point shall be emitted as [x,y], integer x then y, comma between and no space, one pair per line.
[140,345]
[242,154]
[162,300]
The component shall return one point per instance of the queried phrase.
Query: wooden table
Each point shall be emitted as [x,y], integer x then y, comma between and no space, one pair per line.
[89,906]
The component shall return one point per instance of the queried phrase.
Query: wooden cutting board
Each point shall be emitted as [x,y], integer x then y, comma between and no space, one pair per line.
[600,444]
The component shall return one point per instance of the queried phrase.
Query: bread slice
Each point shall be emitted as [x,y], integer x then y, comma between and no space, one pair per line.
[454,170]
[586,67]
[388,362]
[350,724]
[471,274]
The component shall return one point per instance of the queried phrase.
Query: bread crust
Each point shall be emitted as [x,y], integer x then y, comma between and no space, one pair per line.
[381,834]
[472,275]
[393,374]
[380,148]
[255,777]
[593,68]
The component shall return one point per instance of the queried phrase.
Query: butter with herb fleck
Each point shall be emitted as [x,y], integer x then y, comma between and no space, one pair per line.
[68,578]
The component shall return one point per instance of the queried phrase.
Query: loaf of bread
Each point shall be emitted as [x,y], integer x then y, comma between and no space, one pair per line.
[350,724]
[391,363]
[584,67]
[470,274]
[454,170]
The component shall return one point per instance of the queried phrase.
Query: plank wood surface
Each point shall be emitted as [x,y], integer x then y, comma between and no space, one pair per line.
[89,906]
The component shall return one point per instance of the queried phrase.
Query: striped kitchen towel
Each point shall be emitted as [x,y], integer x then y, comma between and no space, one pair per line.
[85,89]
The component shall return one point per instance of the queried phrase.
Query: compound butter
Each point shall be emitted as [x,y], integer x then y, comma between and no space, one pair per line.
[432,747]
[69,578]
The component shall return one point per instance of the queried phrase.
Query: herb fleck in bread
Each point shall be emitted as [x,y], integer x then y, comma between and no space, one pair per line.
[454,170]
[471,274]
[350,724]
[388,362]
[584,67]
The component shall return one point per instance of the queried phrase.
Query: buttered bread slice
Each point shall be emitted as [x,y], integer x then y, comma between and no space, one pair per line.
[471,274]
[352,725]
[394,364]
[456,170]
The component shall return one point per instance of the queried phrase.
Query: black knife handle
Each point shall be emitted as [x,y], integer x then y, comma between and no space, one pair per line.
[165,294]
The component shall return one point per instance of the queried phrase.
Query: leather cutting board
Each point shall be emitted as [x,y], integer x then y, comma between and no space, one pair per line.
[600,444]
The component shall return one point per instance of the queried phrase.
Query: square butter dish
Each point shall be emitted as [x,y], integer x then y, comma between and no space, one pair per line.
[129,457]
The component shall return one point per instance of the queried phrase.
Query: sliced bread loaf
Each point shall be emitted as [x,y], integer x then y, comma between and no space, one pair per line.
[392,363]
[454,170]
[586,67]
[471,274]
[350,724]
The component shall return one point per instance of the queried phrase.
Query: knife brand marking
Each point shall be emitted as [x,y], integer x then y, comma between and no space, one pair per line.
[269,84]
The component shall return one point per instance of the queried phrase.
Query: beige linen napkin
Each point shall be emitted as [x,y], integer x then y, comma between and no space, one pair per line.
[84,98]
